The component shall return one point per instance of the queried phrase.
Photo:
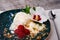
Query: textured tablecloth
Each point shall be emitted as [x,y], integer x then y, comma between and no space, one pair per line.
[15,4]
[53,35]
[57,20]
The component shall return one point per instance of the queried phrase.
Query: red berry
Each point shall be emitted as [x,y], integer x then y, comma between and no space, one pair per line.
[21,31]
[27,32]
[34,16]
[16,31]
[39,17]
[21,35]
[21,28]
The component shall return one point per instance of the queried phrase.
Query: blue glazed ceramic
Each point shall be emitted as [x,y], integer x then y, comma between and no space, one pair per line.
[6,20]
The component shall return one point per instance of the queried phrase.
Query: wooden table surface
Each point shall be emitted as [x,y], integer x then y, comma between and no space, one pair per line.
[16,4]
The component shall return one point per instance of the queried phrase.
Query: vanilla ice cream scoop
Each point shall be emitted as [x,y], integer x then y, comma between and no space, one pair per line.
[20,18]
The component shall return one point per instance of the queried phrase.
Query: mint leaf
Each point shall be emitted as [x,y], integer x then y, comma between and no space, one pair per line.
[26,10]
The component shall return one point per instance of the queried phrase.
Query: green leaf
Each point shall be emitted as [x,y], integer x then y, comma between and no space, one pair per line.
[26,10]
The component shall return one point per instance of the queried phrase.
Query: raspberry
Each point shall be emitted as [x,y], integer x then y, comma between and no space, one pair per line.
[16,31]
[27,32]
[21,35]
[21,31]
[21,28]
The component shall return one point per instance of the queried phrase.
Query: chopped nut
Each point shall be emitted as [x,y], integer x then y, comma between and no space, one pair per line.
[26,38]
[5,34]
[9,35]
[34,28]
[32,35]
[5,29]
[44,34]
[39,38]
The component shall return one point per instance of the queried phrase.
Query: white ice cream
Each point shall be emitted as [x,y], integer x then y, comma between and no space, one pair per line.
[20,18]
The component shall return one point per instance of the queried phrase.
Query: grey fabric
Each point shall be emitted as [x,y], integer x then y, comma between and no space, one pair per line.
[13,4]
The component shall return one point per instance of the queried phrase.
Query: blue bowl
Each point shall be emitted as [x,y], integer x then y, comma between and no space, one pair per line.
[6,20]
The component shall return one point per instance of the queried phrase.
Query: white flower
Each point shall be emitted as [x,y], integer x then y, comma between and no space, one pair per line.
[39,11]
